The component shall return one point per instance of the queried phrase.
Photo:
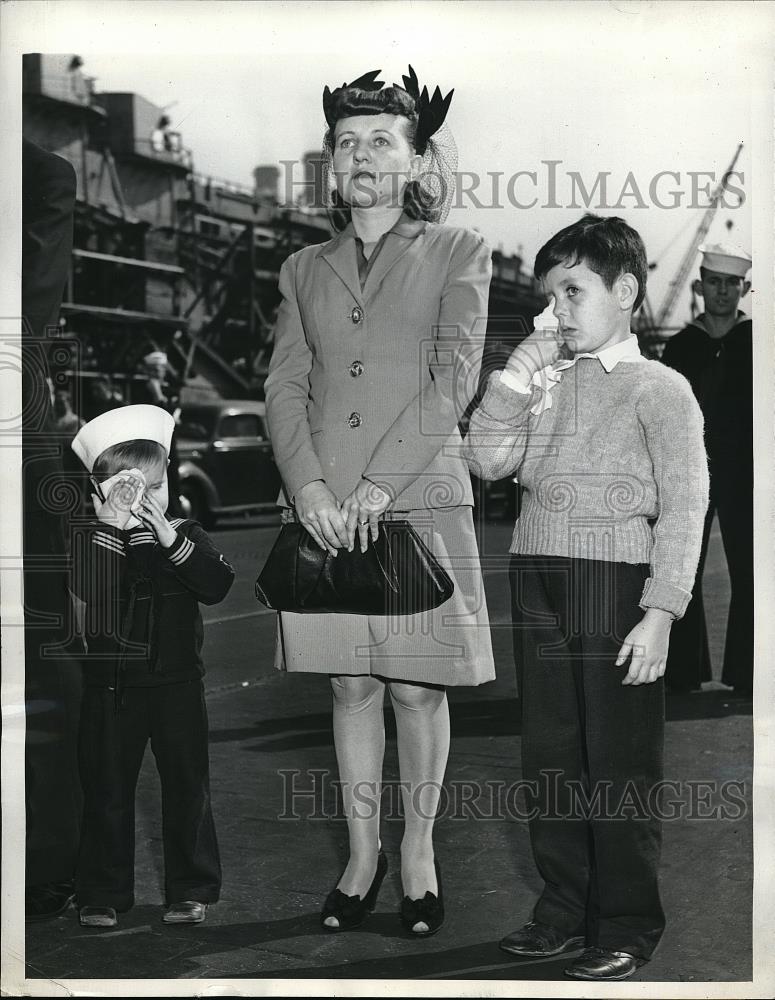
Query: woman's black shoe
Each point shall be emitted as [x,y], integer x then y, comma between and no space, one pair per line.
[351,911]
[429,910]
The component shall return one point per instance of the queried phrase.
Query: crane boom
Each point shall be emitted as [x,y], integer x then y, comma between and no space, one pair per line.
[676,285]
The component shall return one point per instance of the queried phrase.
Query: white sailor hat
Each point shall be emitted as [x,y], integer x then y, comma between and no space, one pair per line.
[155,358]
[725,258]
[125,423]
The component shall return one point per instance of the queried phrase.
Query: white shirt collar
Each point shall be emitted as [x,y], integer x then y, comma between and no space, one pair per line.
[609,357]
[548,377]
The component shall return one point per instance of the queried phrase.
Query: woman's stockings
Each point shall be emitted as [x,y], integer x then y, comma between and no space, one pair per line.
[422,728]
[359,739]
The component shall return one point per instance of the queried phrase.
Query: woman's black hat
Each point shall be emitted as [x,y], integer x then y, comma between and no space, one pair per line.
[430,111]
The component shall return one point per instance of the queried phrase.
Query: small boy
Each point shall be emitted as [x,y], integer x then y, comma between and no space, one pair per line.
[142,578]
[608,449]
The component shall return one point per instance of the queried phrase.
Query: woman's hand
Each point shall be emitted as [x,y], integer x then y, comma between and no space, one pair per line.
[122,492]
[318,510]
[362,509]
[151,514]
[648,643]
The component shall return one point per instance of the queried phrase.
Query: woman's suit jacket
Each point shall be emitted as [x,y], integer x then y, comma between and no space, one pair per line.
[372,382]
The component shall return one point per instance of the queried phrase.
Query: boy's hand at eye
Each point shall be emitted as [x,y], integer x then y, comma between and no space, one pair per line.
[539,349]
[121,493]
[647,643]
[152,516]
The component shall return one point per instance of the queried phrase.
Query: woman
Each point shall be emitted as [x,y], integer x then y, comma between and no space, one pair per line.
[377,352]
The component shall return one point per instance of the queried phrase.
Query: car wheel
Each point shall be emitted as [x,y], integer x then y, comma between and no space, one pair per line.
[194,505]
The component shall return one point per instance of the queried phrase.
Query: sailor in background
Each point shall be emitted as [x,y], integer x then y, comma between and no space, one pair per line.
[714,352]
[159,389]
[52,669]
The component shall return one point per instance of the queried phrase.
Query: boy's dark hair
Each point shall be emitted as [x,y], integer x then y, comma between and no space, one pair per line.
[609,247]
[135,454]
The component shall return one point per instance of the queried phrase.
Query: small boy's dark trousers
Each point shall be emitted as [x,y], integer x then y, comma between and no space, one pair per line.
[585,735]
[112,744]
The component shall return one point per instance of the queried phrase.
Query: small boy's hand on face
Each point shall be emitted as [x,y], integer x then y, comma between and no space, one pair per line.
[648,643]
[121,493]
[151,514]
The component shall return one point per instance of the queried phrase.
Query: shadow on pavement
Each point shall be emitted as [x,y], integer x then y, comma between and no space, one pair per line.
[142,946]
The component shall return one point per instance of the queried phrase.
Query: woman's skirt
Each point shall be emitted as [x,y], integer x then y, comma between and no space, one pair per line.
[449,645]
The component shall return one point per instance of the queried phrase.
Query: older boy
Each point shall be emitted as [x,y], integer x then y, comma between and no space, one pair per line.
[608,449]
[142,578]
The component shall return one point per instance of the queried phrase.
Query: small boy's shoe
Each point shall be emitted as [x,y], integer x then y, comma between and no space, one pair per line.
[603,965]
[188,912]
[97,916]
[41,902]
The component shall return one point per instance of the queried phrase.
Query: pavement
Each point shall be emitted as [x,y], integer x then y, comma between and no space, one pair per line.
[284,842]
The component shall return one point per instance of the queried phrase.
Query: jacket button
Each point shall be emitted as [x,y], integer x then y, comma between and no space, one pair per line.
[356,369]
[354,420]
[356,315]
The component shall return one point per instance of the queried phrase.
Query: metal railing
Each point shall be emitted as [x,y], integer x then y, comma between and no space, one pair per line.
[158,150]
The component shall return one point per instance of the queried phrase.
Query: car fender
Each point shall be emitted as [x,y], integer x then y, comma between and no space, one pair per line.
[189,472]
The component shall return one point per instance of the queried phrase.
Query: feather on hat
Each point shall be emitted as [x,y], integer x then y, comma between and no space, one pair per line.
[431,111]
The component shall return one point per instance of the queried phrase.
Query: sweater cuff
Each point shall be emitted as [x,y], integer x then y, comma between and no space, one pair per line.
[507,405]
[180,550]
[665,596]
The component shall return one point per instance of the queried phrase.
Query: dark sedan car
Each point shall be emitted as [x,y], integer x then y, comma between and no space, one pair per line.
[225,459]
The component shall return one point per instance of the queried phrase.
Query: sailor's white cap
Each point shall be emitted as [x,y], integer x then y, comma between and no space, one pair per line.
[725,258]
[125,423]
[155,358]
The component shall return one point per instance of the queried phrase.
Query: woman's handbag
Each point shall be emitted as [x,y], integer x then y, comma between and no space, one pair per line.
[396,575]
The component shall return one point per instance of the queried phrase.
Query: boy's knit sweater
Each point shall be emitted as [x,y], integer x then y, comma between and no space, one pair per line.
[615,469]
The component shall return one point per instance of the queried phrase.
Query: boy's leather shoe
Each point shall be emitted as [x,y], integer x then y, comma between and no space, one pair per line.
[97,916]
[49,900]
[536,940]
[188,912]
[601,964]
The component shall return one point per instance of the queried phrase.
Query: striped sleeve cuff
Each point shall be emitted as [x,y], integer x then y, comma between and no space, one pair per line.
[665,596]
[108,541]
[180,550]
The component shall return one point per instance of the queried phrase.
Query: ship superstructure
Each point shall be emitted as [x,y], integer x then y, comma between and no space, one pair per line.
[168,259]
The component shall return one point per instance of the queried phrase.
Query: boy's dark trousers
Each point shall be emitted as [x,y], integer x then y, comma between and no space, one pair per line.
[111,747]
[585,734]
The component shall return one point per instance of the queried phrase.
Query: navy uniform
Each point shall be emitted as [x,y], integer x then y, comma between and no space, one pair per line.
[143,681]
[720,370]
